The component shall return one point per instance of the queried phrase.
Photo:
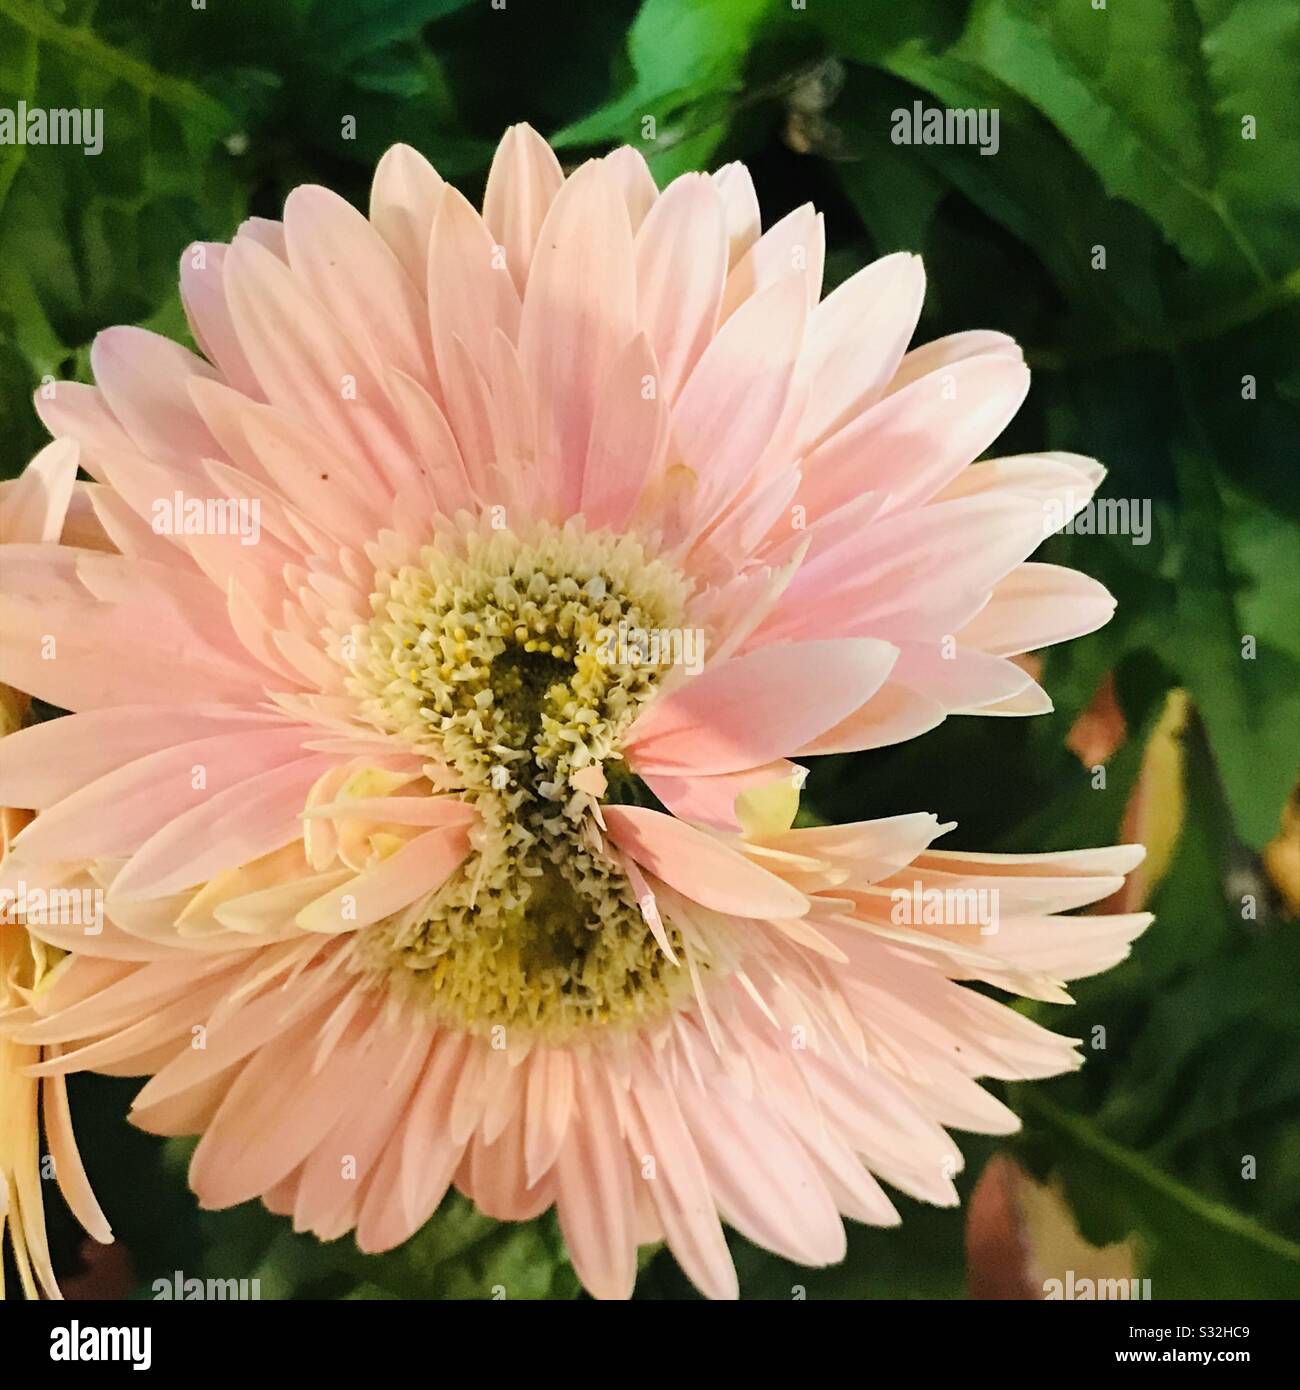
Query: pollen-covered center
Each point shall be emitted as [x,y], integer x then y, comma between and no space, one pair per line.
[515,664]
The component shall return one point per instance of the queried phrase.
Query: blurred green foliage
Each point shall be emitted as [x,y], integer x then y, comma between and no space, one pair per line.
[1167,133]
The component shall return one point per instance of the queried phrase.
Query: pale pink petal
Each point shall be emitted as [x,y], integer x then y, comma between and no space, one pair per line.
[750,709]
[240,824]
[711,800]
[414,1174]
[744,222]
[1033,699]
[795,246]
[513,419]
[629,437]
[594,1191]
[522,183]
[914,441]
[306,363]
[145,381]
[348,266]
[1069,479]
[71,410]
[48,762]
[271,1118]
[763,1181]
[729,409]
[241,1032]
[699,865]
[304,464]
[471,296]
[414,870]
[635,182]
[129,534]
[579,313]
[34,506]
[946,352]
[548,1108]
[1106,861]
[403,199]
[681,263]
[116,813]
[332,1176]
[435,444]
[90,672]
[402,810]
[927,573]
[959,677]
[869,850]
[203,293]
[469,410]
[856,338]
[679,1188]
[73,1182]
[496,1179]
[1069,948]
[267,233]
[893,714]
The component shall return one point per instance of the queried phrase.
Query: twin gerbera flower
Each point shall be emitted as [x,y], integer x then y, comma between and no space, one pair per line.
[411,876]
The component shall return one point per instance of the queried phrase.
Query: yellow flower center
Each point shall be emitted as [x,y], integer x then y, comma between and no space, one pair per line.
[501,657]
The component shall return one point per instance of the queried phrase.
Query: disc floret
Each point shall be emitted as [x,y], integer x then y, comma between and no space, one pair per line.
[492,653]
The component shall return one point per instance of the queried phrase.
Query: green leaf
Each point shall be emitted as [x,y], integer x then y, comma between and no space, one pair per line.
[678,50]
[1215,1049]
[1197,925]
[1154,97]
[1035,186]
[1189,1246]
[896,196]
[348,31]
[88,239]
[1264,551]
[1247,689]
[459,1253]
[872,37]
[87,53]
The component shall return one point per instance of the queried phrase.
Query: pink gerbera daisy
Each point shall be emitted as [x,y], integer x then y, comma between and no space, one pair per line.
[434,677]
[33,509]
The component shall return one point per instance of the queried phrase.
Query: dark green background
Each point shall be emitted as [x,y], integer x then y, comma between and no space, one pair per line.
[1120,127]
